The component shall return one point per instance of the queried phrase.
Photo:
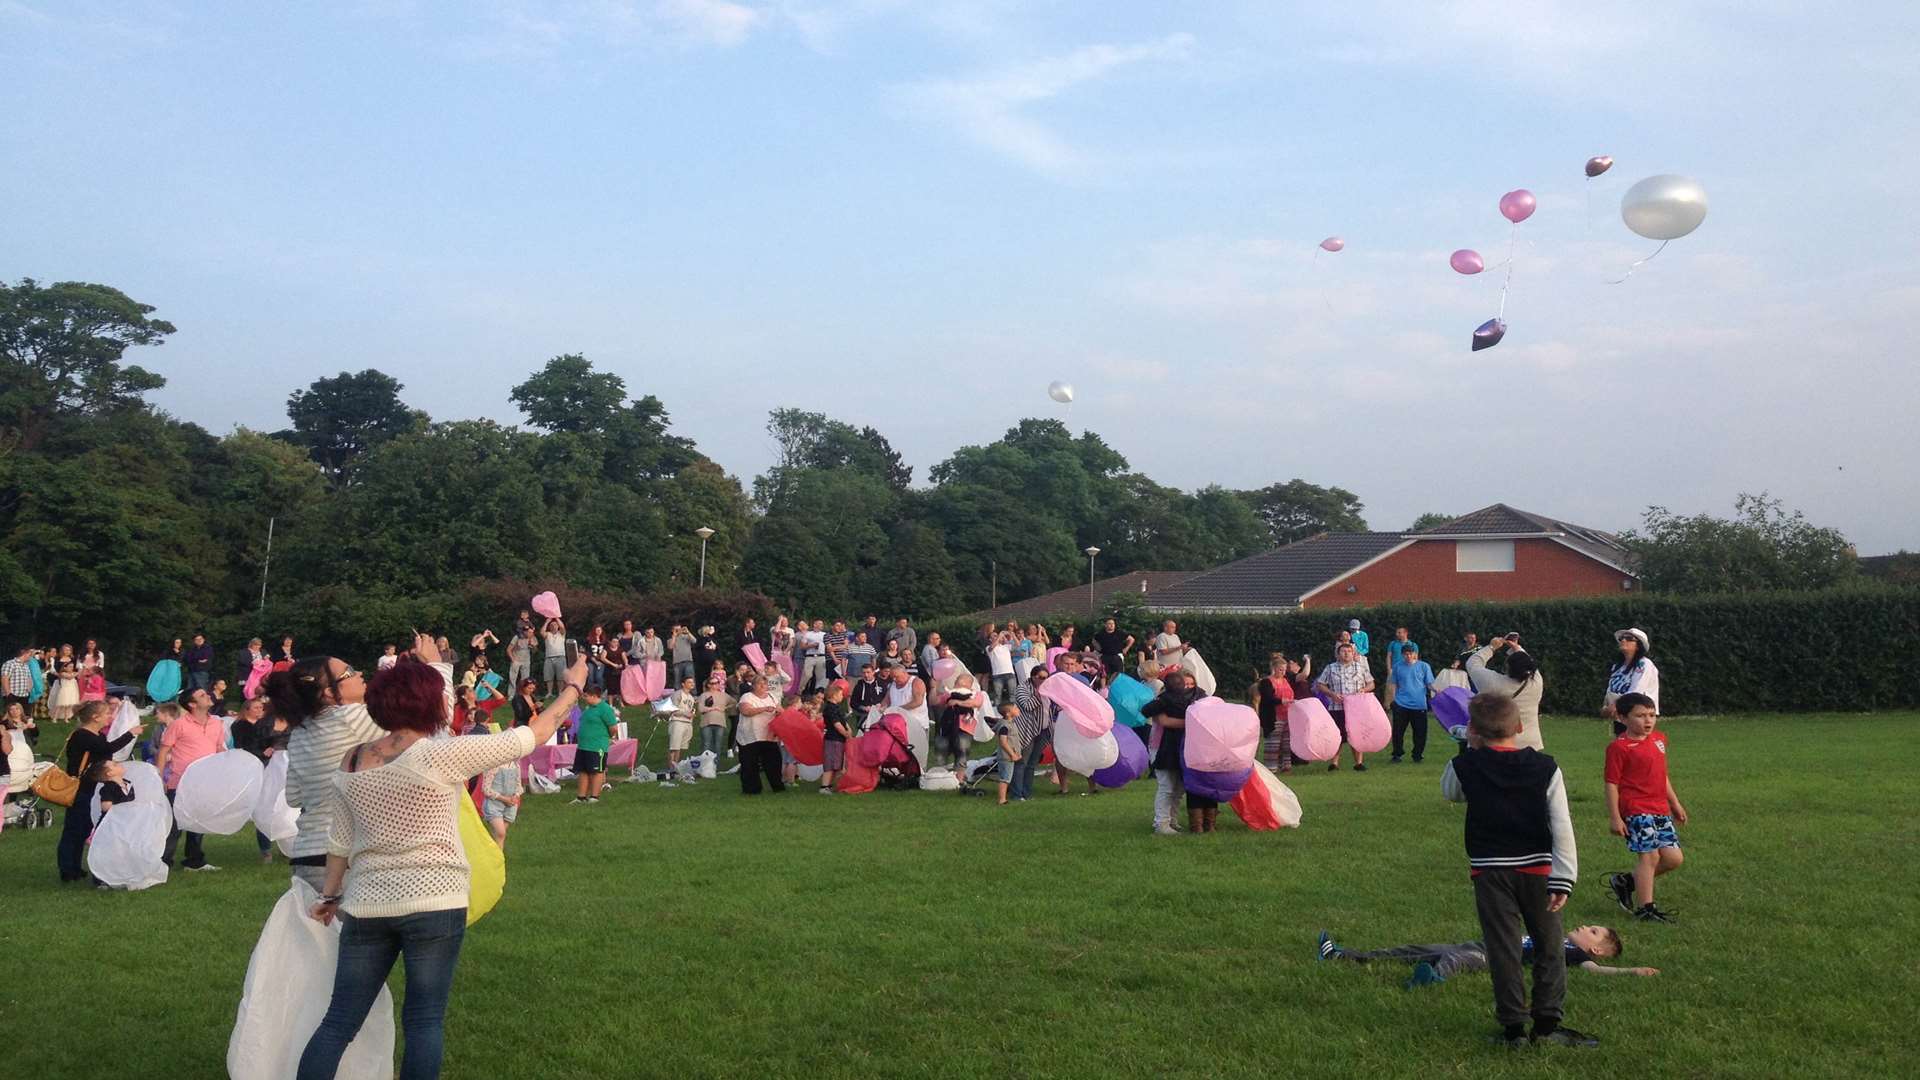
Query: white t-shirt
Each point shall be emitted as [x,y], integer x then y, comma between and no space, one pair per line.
[1165,643]
[1000,660]
[556,643]
[752,729]
[386,662]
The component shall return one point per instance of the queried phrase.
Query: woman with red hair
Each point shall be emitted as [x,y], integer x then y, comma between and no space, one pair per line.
[396,872]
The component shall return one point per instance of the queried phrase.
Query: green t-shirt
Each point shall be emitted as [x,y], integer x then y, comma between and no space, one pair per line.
[596,726]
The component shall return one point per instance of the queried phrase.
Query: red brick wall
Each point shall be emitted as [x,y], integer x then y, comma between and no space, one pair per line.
[1542,569]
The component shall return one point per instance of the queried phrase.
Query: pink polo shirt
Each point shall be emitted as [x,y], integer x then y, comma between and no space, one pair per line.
[188,740]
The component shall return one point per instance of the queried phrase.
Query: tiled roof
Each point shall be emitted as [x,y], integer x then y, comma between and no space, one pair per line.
[1148,583]
[1277,579]
[1503,520]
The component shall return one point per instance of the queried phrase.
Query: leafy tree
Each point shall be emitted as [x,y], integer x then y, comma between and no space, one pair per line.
[254,479]
[1296,510]
[639,448]
[915,577]
[702,494]
[811,440]
[434,508]
[63,347]
[1430,520]
[340,418]
[788,562]
[568,395]
[1762,547]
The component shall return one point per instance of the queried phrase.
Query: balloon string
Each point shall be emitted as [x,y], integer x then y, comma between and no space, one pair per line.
[1512,237]
[1641,263]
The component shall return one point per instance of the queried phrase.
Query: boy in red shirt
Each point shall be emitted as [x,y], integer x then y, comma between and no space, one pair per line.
[1643,806]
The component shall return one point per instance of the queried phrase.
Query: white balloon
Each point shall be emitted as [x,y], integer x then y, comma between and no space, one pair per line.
[1061,392]
[1665,207]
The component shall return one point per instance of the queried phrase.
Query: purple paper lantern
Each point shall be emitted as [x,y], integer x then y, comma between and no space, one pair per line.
[1221,786]
[1131,764]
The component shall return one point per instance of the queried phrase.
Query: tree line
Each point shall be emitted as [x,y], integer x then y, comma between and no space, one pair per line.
[124,523]
[127,524]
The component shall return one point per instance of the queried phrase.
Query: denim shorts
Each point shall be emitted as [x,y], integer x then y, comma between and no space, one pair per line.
[1650,832]
[1003,769]
[494,808]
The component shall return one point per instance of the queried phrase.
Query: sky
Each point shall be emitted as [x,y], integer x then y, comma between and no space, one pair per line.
[917,215]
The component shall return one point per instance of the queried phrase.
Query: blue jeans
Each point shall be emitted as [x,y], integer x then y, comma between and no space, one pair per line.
[430,940]
[1022,786]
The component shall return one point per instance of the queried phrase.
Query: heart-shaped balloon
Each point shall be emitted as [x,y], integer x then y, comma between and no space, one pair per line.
[546,605]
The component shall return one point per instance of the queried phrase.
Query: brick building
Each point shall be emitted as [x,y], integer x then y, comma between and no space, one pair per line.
[1496,553]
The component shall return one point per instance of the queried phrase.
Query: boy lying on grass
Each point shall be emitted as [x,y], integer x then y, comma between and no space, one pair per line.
[1584,946]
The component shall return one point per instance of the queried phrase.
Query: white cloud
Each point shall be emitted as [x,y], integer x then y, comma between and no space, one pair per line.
[992,109]
[519,30]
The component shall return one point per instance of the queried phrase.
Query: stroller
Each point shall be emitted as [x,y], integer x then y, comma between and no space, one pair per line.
[900,771]
[24,809]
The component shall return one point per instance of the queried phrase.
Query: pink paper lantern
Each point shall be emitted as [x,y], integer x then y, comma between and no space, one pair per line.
[546,605]
[1311,734]
[1092,715]
[1221,735]
[1368,729]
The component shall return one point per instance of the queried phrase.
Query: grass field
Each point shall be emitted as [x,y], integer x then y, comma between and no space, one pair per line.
[693,932]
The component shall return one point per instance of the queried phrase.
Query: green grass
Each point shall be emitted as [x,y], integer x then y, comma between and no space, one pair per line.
[697,933]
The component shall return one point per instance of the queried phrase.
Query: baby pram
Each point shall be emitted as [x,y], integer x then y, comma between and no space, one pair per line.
[24,809]
[899,770]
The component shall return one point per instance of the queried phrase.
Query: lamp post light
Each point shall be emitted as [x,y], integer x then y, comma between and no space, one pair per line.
[1091,553]
[704,534]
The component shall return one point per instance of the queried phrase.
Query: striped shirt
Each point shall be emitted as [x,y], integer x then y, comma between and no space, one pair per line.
[1034,715]
[314,752]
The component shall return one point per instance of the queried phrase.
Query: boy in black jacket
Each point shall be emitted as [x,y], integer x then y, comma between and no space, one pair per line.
[1520,846]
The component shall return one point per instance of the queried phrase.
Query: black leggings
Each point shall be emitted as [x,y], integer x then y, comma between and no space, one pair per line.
[73,839]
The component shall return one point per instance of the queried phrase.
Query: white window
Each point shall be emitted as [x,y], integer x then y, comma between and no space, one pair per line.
[1483,556]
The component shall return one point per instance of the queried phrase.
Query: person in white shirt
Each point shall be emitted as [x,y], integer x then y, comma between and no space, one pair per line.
[759,752]
[1000,668]
[553,642]
[1167,648]
[395,863]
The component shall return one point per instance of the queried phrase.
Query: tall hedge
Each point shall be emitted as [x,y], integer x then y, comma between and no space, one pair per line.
[1838,650]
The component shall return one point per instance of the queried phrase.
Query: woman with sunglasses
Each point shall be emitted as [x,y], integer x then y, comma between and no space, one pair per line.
[324,702]
[396,872]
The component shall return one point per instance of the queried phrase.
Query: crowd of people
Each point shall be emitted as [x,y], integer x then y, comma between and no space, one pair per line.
[374,776]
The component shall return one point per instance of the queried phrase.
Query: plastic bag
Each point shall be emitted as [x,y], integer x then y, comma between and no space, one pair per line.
[539,784]
[271,815]
[487,863]
[218,793]
[289,985]
[708,770]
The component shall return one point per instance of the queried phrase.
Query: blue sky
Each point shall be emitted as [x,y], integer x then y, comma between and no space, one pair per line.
[916,215]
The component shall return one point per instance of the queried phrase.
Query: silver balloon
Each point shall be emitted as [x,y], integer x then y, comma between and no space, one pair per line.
[1665,207]
[1061,392]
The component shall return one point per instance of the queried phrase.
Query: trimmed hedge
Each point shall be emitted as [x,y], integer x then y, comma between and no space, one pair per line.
[1838,650]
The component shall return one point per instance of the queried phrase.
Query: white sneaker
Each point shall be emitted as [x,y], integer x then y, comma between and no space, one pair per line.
[578,802]
[1164,830]
[826,791]
[668,783]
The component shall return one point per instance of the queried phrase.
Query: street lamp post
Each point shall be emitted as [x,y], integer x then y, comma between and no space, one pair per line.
[704,534]
[1091,552]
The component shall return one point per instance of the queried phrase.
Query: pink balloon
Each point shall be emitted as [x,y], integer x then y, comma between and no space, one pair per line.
[546,605]
[1467,261]
[1332,243]
[1517,205]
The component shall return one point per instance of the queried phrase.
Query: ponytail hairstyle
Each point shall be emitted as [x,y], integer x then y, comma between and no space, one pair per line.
[1521,668]
[299,692]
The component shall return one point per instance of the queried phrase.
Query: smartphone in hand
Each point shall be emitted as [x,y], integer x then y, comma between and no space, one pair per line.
[573,652]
